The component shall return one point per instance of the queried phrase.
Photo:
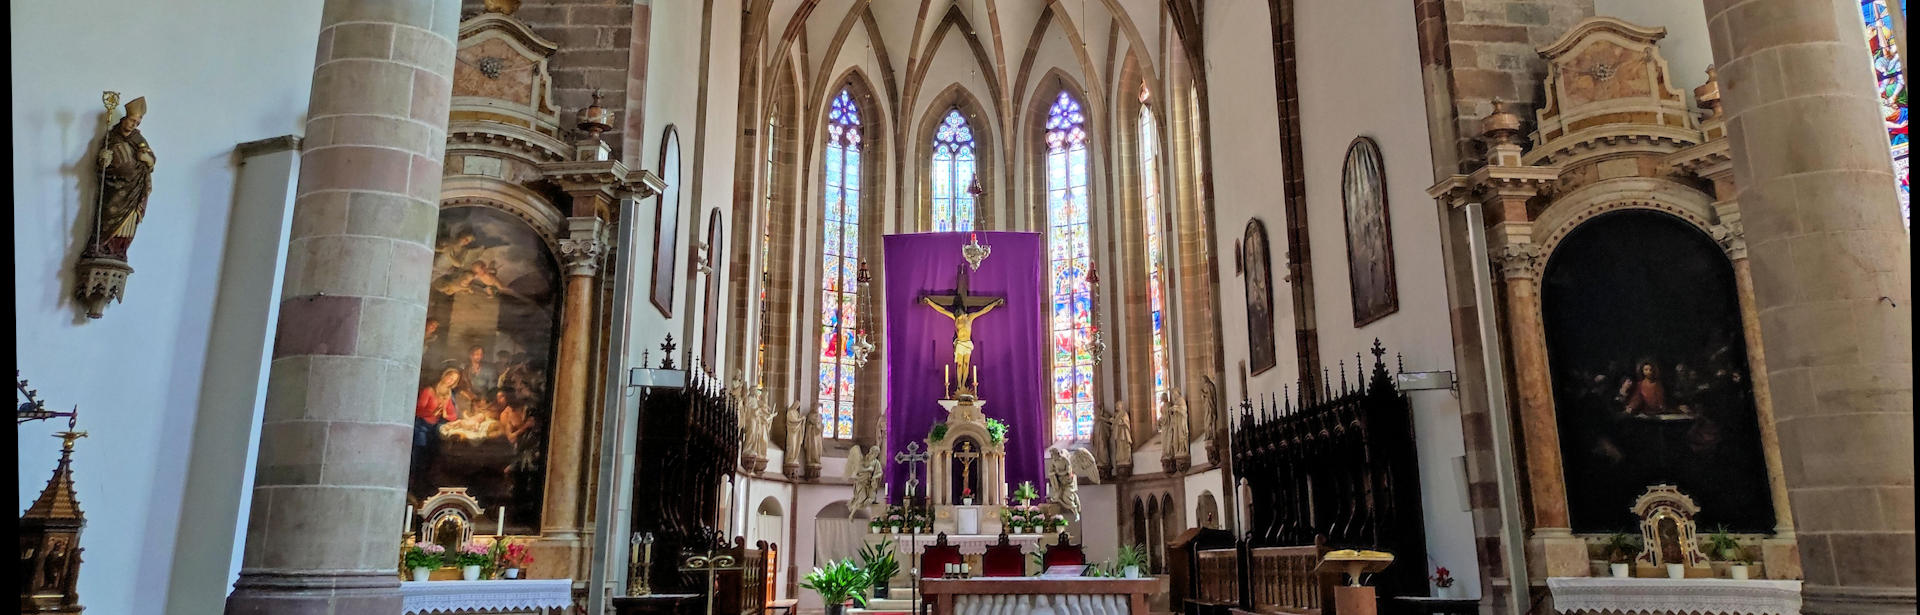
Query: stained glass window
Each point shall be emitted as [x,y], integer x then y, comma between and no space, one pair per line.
[1156,258]
[1891,82]
[839,267]
[766,254]
[1070,257]
[953,169]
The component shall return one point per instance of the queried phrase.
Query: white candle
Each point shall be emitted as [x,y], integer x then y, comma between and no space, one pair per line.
[500,528]
[408,520]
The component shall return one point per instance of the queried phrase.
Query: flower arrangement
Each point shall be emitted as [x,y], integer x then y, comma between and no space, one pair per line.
[1442,577]
[896,520]
[426,555]
[996,431]
[1025,494]
[472,554]
[514,555]
[1059,522]
[1024,518]
[966,493]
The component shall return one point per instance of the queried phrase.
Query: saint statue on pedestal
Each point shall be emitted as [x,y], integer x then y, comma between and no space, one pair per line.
[126,180]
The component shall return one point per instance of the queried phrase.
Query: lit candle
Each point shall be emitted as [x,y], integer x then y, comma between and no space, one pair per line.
[946,377]
[500,528]
[408,520]
[976,376]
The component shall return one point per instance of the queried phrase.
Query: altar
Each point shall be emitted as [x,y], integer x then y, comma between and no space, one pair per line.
[1023,595]
[513,597]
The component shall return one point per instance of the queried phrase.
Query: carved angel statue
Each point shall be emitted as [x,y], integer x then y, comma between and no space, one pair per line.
[864,469]
[1064,467]
[1119,435]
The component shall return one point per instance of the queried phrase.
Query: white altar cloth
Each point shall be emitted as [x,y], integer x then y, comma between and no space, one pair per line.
[514,595]
[1636,596]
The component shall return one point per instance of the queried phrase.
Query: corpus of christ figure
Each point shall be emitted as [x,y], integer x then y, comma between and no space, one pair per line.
[963,309]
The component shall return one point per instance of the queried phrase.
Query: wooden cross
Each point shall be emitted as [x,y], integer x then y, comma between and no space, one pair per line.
[963,308]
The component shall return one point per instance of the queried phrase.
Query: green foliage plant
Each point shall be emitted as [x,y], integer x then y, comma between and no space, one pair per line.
[839,582]
[878,560]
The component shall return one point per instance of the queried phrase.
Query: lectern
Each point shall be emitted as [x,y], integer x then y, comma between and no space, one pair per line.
[1354,598]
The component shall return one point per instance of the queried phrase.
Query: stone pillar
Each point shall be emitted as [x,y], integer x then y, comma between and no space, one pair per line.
[1780,554]
[1832,287]
[581,251]
[329,491]
[1553,549]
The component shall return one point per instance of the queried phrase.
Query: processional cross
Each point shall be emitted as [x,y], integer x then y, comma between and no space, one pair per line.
[963,308]
[912,457]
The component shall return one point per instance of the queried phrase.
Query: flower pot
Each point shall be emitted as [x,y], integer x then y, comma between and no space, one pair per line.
[513,573]
[966,501]
[1676,571]
[1448,592]
[1130,572]
[873,529]
[836,609]
[420,574]
[1738,572]
[880,591]
[470,573]
[1620,571]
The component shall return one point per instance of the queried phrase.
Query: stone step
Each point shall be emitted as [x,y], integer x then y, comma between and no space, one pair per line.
[891,604]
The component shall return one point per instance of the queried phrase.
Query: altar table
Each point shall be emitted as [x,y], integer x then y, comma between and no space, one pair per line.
[1641,596]
[1039,595]
[519,596]
[970,544]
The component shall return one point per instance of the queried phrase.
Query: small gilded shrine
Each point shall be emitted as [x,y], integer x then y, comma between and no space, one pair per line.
[50,528]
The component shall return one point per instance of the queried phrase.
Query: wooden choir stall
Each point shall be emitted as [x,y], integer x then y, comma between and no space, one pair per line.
[1338,473]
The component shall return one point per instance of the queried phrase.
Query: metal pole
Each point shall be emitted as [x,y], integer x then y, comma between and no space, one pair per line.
[1513,536]
[617,432]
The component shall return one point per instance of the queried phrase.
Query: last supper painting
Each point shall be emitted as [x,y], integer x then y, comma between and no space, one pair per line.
[483,401]
[1650,373]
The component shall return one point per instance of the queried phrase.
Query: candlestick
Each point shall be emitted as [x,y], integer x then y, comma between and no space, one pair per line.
[946,378]
[500,528]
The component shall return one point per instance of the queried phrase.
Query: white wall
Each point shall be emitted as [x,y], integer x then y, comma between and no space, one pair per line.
[1246,182]
[1375,90]
[215,74]
[1686,48]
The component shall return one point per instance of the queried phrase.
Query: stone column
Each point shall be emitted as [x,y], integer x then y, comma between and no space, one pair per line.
[1780,554]
[1832,286]
[581,251]
[329,491]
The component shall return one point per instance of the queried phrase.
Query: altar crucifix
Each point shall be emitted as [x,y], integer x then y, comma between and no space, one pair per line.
[966,457]
[963,309]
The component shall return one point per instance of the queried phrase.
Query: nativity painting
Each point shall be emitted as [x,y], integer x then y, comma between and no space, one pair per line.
[486,366]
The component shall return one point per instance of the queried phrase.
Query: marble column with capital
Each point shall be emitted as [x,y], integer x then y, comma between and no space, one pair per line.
[1832,281]
[329,491]
[582,252]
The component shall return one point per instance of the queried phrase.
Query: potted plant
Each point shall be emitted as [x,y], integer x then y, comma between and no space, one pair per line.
[1723,547]
[894,522]
[1129,559]
[879,562]
[875,526]
[996,431]
[1059,523]
[838,583]
[512,558]
[423,558]
[470,559]
[1620,549]
[966,496]
[1025,494]
[1442,582]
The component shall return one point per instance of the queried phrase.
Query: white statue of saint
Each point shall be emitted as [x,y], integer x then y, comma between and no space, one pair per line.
[1174,437]
[866,473]
[796,433]
[1064,467]
[759,428]
[1120,435]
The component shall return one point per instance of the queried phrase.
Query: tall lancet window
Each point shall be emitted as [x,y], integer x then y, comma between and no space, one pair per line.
[1151,204]
[1070,253]
[839,267]
[766,254]
[953,169]
[1891,82]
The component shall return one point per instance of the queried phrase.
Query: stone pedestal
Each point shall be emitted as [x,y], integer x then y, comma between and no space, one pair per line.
[1556,553]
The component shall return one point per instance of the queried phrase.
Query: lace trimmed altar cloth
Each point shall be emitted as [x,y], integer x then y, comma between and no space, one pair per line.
[505,596]
[1636,596]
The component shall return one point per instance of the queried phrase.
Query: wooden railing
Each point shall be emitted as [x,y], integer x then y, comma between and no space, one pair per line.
[1283,581]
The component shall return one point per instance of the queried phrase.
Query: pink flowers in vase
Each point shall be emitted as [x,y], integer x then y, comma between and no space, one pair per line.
[1442,577]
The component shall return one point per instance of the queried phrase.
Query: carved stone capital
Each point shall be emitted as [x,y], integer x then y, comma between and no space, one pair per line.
[1732,238]
[584,247]
[1517,260]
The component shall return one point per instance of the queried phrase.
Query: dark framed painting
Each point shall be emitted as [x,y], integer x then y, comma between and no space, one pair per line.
[666,225]
[1257,254]
[483,399]
[1649,371]
[1363,188]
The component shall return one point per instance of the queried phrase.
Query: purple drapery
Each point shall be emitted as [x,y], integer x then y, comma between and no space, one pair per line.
[1009,345]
